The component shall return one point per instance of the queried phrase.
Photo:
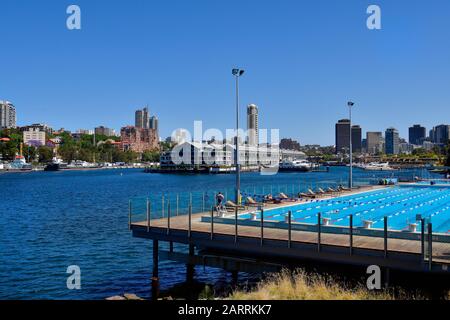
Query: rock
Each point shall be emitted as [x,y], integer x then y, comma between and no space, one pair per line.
[116,298]
[132,296]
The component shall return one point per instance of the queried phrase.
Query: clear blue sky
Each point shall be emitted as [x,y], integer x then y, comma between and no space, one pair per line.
[304,60]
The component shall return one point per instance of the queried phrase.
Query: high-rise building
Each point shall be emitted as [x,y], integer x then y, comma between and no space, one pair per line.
[374,141]
[440,134]
[7,115]
[417,134]
[252,125]
[342,136]
[142,118]
[356,139]
[392,141]
[154,123]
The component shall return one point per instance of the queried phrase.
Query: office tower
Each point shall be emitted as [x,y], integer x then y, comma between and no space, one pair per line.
[374,141]
[154,123]
[392,141]
[342,136]
[356,139]
[7,115]
[142,118]
[252,125]
[440,134]
[417,134]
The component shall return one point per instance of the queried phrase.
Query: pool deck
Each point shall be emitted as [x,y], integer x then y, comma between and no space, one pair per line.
[272,245]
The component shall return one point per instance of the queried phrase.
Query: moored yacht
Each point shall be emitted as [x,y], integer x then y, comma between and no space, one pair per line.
[295,165]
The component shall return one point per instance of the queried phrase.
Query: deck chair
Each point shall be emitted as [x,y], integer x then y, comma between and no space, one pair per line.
[252,203]
[283,197]
[230,206]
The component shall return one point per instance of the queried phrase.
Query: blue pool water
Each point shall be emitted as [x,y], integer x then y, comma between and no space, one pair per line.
[400,204]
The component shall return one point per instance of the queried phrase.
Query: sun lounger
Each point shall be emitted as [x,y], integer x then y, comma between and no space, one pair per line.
[231,206]
[283,197]
[252,203]
[310,194]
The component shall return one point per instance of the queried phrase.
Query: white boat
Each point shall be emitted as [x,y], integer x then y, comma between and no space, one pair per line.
[19,163]
[376,166]
[295,165]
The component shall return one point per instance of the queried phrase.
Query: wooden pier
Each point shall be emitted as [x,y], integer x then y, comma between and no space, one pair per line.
[235,247]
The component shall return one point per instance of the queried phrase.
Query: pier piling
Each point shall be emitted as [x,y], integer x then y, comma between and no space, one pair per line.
[155,276]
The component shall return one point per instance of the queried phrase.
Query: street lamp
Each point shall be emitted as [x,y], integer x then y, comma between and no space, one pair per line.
[237,73]
[350,104]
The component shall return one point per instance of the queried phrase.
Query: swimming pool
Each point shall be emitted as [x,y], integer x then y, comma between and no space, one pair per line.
[402,205]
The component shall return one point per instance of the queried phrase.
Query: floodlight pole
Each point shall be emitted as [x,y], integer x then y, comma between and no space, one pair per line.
[237,73]
[350,178]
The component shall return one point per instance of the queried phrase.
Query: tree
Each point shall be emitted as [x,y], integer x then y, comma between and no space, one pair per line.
[30,153]
[150,156]
[45,153]
[447,161]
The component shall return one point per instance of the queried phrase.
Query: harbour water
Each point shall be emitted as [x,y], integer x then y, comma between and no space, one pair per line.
[52,220]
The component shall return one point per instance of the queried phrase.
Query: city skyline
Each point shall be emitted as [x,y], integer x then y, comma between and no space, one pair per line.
[304,64]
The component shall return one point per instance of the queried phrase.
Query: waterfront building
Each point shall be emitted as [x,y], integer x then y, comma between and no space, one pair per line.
[34,136]
[392,141]
[356,139]
[139,139]
[209,155]
[7,115]
[417,134]
[104,131]
[142,118]
[252,125]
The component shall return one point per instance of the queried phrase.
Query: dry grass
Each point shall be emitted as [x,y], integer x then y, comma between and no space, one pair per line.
[302,286]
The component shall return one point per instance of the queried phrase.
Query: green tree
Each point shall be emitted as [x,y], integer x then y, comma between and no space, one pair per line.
[45,153]
[447,160]
[30,153]
[150,156]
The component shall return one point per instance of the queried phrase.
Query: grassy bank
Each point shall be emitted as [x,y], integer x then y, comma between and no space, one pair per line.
[300,285]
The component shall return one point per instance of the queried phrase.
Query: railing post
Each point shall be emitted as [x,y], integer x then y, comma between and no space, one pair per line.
[168,216]
[190,221]
[235,224]
[422,238]
[430,246]
[351,234]
[212,222]
[148,215]
[129,214]
[319,230]
[178,200]
[262,226]
[385,237]
[203,201]
[162,206]
[289,228]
